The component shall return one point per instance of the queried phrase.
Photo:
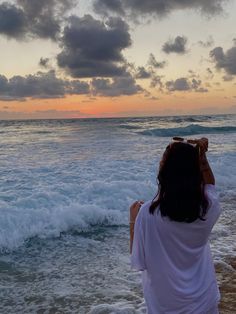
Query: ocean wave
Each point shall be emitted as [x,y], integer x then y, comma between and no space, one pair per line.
[179,119]
[18,226]
[129,127]
[138,123]
[88,181]
[41,132]
[62,206]
[190,129]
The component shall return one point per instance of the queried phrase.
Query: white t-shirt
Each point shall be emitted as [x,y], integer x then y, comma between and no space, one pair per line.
[178,274]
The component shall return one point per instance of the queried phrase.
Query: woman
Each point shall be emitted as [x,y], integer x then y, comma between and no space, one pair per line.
[170,244]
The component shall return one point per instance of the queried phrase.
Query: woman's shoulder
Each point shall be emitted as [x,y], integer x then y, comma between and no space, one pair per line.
[144,209]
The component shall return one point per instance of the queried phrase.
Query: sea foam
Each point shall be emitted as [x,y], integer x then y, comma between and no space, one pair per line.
[77,175]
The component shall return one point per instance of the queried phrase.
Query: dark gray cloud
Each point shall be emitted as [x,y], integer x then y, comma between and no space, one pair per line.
[177,45]
[12,21]
[149,71]
[117,87]
[185,84]
[46,85]
[180,84]
[44,62]
[154,63]
[225,60]
[208,43]
[142,73]
[103,6]
[93,48]
[156,81]
[33,18]
[156,7]
[40,85]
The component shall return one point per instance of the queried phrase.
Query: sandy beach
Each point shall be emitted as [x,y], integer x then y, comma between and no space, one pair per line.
[227,281]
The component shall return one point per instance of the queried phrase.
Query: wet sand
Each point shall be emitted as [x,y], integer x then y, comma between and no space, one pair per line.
[227,280]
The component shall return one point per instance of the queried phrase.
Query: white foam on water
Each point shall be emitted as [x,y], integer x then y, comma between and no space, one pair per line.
[19,225]
[119,308]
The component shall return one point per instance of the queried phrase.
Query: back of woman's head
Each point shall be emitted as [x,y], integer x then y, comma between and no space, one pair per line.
[180,196]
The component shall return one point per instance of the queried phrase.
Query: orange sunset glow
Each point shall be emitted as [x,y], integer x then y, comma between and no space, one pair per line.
[97,63]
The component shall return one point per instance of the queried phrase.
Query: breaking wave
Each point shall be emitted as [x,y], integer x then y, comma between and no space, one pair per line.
[190,129]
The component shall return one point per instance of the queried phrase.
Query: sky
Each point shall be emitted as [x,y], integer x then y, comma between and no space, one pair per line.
[116,58]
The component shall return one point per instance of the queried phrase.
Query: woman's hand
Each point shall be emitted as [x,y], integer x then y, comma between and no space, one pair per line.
[206,172]
[134,209]
[202,144]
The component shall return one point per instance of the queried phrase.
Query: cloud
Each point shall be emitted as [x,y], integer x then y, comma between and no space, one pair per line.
[142,73]
[93,48]
[228,78]
[33,18]
[192,74]
[177,45]
[225,60]
[206,44]
[181,84]
[40,85]
[47,85]
[156,7]
[157,82]
[154,63]
[184,84]
[117,87]
[149,72]
[44,62]
[210,74]
[12,21]
[115,6]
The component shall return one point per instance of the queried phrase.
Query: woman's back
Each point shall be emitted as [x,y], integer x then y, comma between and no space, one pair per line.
[178,273]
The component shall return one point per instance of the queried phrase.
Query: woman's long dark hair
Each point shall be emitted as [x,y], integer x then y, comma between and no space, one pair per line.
[180,193]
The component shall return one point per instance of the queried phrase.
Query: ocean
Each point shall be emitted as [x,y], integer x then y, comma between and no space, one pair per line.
[65,191]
